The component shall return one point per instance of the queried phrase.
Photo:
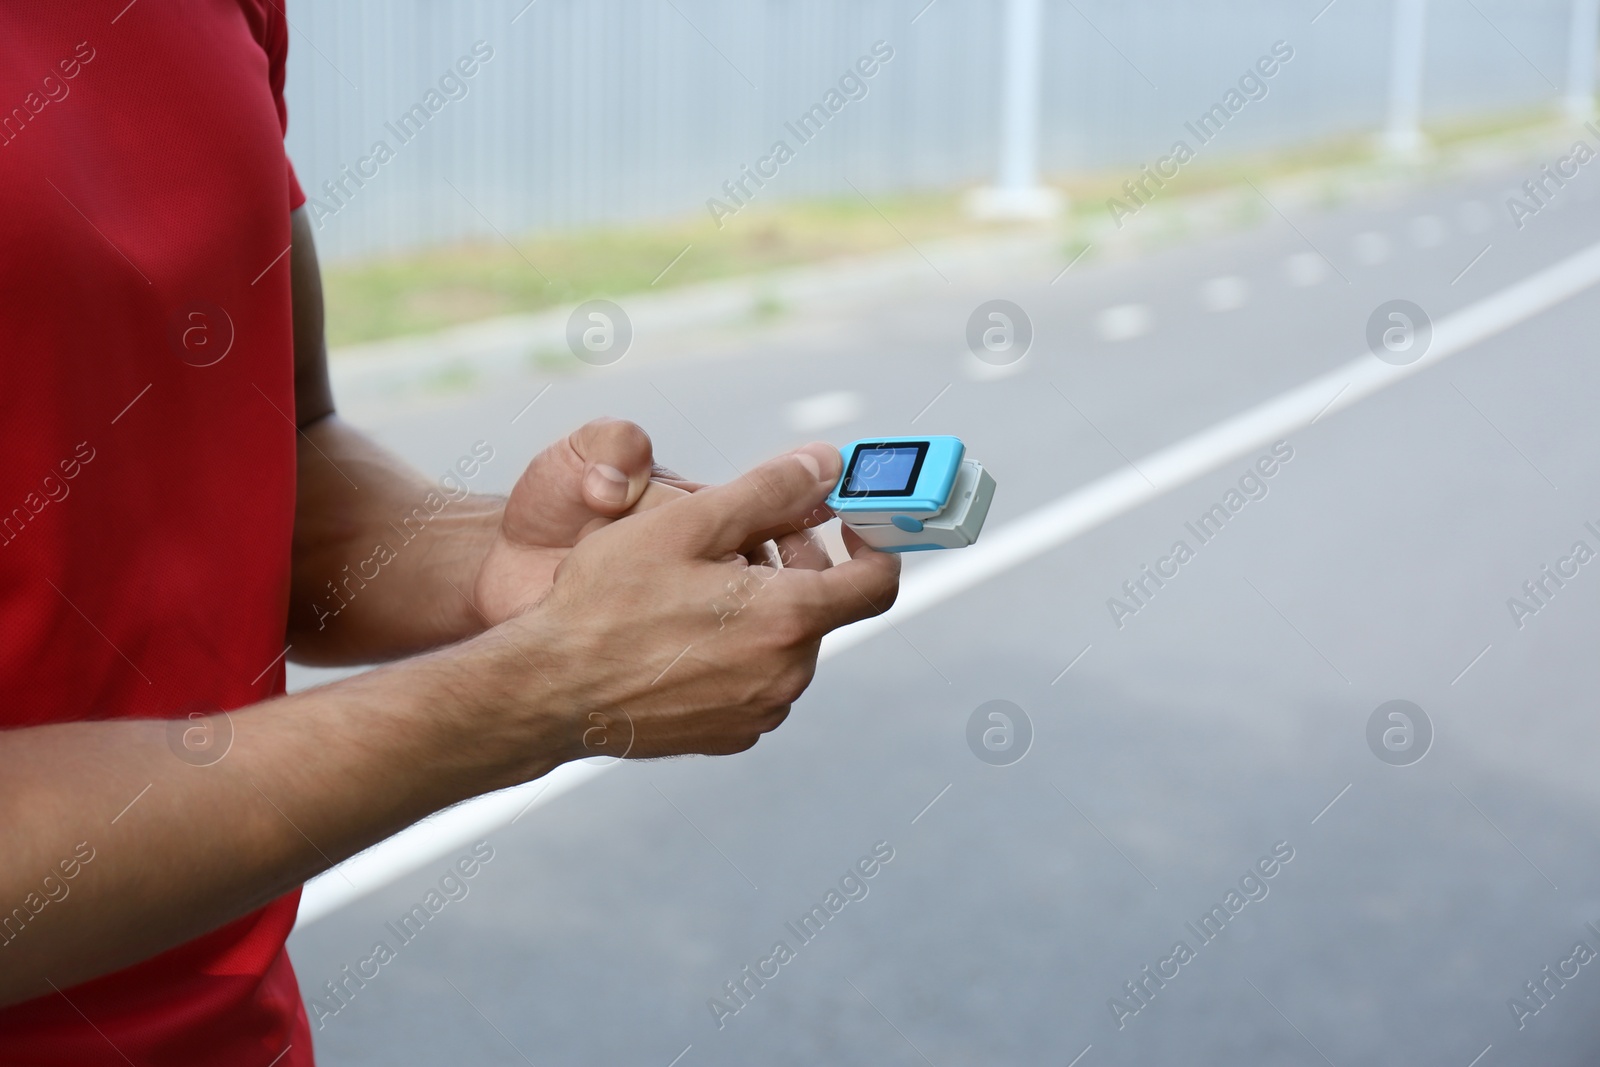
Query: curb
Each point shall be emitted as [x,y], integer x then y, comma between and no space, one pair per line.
[517,345]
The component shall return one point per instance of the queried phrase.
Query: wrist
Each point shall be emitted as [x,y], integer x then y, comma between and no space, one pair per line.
[497,713]
[462,536]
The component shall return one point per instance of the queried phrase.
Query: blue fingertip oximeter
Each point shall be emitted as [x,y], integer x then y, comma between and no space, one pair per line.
[909,494]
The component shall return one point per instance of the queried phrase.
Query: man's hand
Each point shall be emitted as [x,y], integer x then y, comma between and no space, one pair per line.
[660,637]
[476,563]
[599,472]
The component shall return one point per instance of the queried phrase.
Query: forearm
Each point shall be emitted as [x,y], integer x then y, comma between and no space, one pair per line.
[379,549]
[178,850]
[601,666]
[384,558]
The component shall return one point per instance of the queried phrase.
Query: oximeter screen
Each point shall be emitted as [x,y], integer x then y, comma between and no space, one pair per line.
[885,470]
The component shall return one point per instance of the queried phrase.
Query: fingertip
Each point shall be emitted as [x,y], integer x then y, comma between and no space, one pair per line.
[618,461]
[799,550]
[885,565]
[821,460]
[608,488]
[859,549]
[865,585]
[618,442]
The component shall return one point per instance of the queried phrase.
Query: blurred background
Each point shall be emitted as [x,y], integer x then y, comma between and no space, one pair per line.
[1370,268]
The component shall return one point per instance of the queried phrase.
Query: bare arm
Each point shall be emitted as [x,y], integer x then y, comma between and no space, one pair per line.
[315,777]
[388,561]
[312,778]
[354,497]
[309,780]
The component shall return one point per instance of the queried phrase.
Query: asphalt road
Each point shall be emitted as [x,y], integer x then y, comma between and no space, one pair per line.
[1227,718]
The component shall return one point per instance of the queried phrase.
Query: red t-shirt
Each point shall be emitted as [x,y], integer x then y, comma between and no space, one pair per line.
[147,491]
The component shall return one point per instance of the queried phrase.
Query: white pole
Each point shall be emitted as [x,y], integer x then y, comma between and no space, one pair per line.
[1019,98]
[1017,193]
[1580,59]
[1403,136]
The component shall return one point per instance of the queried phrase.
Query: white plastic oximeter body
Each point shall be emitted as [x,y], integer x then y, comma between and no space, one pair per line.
[909,494]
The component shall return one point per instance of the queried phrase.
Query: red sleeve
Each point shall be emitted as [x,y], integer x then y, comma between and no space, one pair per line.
[274,37]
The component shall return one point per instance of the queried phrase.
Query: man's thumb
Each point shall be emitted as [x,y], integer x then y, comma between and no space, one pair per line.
[786,491]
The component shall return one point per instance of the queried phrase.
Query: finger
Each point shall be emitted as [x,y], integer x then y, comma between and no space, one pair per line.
[669,476]
[801,550]
[862,586]
[766,556]
[655,495]
[815,518]
[774,719]
[599,469]
[782,491]
[853,542]
[617,463]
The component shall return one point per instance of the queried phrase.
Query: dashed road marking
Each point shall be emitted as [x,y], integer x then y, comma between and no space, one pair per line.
[1371,248]
[825,411]
[1123,322]
[1475,216]
[1226,293]
[1305,269]
[1427,231]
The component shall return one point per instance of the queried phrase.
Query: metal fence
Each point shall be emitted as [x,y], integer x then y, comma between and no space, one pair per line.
[584,111]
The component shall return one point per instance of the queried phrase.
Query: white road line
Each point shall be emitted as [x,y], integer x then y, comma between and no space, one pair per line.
[1121,491]
[1001,549]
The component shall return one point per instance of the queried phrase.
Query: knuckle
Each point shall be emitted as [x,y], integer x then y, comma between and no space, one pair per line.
[789,683]
[769,484]
[861,601]
[889,584]
[817,517]
[782,480]
[749,724]
[885,598]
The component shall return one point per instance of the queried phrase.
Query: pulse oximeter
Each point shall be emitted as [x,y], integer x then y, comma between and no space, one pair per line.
[908,494]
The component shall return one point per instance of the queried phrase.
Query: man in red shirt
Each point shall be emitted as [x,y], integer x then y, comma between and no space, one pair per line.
[179,501]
